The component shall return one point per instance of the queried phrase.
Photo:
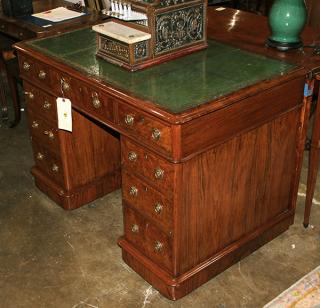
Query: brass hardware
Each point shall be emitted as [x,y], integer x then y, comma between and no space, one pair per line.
[158,246]
[55,168]
[156,134]
[159,173]
[40,156]
[30,94]
[35,124]
[46,105]
[2,27]
[65,86]
[42,74]
[129,119]
[158,207]
[96,102]
[135,228]
[49,133]
[26,66]
[21,34]
[132,156]
[133,191]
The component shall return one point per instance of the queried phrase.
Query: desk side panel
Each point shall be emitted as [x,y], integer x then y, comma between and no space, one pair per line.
[237,189]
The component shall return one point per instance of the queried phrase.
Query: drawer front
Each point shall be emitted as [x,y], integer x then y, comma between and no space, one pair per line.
[48,162]
[66,86]
[36,71]
[45,134]
[27,66]
[147,200]
[148,164]
[148,128]
[152,242]
[96,103]
[40,103]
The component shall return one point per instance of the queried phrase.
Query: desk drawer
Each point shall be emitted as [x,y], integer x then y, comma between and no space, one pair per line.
[50,163]
[38,72]
[41,103]
[151,241]
[44,133]
[146,127]
[147,200]
[95,103]
[147,164]
[15,31]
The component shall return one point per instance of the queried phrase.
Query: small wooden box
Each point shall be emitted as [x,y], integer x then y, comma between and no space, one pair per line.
[172,28]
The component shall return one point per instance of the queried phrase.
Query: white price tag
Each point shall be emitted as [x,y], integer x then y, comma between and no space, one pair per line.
[64,114]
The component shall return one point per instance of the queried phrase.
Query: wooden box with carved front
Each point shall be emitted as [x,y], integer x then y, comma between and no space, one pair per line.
[142,33]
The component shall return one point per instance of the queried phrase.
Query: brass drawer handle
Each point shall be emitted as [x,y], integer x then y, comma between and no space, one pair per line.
[46,105]
[21,34]
[132,156]
[30,95]
[158,207]
[55,168]
[49,133]
[159,173]
[156,134]
[40,156]
[129,119]
[158,246]
[96,102]
[35,124]
[26,66]
[135,228]
[64,85]
[133,191]
[42,75]
[2,27]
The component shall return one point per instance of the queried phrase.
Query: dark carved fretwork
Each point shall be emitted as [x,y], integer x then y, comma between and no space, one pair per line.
[115,48]
[141,50]
[178,28]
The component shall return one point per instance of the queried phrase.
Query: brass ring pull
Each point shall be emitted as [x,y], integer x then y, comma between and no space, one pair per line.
[158,246]
[158,207]
[42,75]
[26,66]
[40,156]
[159,173]
[135,228]
[133,191]
[96,102]
[49,133]
[129,119]
[64,85]
[30,95]
[35,124]
[132,156]
[55,168]
[46,105]
[156,134]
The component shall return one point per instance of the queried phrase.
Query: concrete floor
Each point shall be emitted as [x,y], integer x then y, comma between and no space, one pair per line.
[53,258]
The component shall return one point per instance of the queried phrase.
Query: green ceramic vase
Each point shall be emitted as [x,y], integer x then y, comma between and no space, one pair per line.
[286,20]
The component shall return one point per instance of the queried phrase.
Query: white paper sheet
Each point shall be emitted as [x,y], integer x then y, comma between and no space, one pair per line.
[58,14]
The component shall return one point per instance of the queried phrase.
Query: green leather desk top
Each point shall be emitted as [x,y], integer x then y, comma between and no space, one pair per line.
[177,85]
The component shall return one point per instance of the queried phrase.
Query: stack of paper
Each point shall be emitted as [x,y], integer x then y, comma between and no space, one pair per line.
[58,14]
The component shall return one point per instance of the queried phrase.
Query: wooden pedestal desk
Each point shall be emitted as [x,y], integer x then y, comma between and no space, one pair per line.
[211,145]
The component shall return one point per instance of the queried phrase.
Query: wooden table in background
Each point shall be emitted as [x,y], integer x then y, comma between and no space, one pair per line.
[19,29]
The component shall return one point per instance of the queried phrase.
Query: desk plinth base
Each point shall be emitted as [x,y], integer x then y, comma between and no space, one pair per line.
[75,198]
[175,288]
